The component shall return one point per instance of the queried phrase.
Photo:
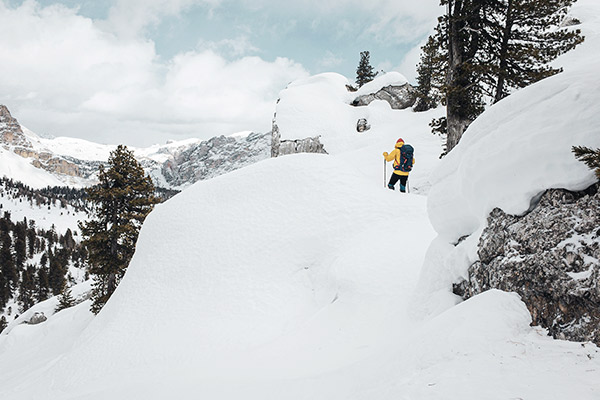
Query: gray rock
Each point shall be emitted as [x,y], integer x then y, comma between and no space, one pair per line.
[551,258]
[214,157]
[399,97]
[362,125]
[11,133]
[37,318]
[282,147]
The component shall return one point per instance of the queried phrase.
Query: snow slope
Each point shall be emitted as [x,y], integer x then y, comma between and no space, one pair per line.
[17,168]
[294,278]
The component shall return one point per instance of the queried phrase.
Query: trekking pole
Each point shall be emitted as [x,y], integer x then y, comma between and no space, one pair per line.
[384,172]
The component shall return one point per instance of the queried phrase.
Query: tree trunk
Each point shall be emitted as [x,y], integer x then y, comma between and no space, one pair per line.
[455,123]
[503,65]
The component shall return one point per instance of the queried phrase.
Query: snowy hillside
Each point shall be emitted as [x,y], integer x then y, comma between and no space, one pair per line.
[303,277]
[17,168]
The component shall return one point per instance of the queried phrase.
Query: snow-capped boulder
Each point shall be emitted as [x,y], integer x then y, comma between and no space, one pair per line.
[399,97]
[551,258]
[362,125]
[37,318]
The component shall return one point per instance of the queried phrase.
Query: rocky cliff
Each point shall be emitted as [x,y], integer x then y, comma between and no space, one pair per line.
[11,133]
[14,139]
[215,157]
[550,257]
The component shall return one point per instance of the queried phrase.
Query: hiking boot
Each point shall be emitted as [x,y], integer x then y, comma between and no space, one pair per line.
[390,186]
[403,188]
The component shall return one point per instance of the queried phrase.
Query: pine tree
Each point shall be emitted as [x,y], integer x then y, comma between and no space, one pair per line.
[3,323]
[123,199]
[20,245]
[364,72]
[590,157]
[9,277]
[431,73]
[527,36]
[460,31]
[42,284]
[493,46]
[65,300]
[27,288]
[56,272]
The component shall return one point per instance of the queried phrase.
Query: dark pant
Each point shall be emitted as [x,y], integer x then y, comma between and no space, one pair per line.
[395,178]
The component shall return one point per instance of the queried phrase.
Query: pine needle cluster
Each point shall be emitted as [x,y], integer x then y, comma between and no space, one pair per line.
[590,157]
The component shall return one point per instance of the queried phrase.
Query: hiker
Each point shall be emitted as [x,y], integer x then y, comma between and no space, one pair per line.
[402,155]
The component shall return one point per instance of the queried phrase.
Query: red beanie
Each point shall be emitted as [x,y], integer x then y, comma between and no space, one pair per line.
[400,140]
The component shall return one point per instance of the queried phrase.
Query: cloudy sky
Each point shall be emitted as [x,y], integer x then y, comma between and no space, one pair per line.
[140,72]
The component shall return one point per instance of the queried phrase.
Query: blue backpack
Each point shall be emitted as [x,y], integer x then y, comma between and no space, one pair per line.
[406,158]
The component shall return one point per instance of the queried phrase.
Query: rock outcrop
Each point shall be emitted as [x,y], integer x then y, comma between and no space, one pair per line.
[399,97]
[551,258]
[11,133]
[12,138]
[282,147]
[215,157]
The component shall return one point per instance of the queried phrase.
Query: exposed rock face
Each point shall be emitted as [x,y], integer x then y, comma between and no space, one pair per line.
[12,138]
[551,258]
[282,147]
[399,97]
[11,133]
[215,157]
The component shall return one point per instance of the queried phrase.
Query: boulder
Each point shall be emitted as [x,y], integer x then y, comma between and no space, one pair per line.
[399,97]
[37,318]
[362,125]
[550,257]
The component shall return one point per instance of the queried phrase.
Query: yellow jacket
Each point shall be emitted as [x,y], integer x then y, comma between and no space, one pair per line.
[395,156]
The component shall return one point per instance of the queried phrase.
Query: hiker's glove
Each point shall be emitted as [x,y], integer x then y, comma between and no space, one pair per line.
[385,153]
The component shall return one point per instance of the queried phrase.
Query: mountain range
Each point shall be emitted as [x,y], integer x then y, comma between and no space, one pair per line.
[174,165]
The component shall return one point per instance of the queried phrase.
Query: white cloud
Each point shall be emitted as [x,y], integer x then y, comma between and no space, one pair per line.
[330,60]
[65,74]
